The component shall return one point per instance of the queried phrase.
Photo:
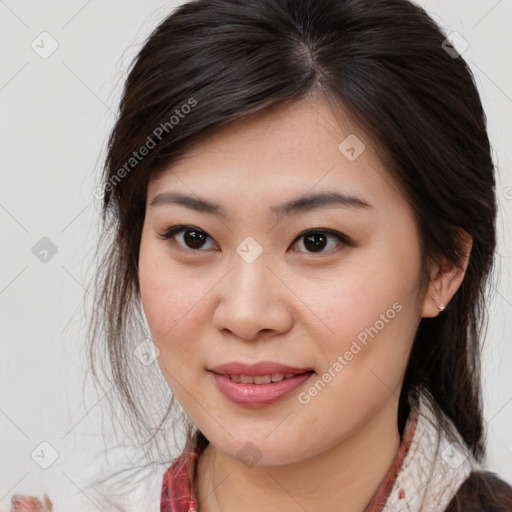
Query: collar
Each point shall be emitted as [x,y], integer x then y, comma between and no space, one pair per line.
[435,465]
[427,471]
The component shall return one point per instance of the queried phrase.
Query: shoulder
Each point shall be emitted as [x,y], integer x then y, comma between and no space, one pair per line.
[482,491]
[30,503]
[177,484]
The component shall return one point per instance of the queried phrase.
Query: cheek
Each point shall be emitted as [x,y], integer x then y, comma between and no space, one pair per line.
[174,326]
[368,316]
[165,303]
[161,291]
[161,286]
[347,305]
[152,291]
[175,307]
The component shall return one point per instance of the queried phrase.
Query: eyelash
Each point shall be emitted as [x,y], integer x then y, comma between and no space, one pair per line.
[174,230]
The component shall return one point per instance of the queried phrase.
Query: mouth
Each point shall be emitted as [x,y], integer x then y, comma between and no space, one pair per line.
[262,379]
[255,388]
[266,369]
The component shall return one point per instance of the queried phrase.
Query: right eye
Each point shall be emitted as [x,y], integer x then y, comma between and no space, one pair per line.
[192,238]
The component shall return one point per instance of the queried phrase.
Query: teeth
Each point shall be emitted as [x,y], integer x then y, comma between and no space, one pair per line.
[259,379]
[262,379]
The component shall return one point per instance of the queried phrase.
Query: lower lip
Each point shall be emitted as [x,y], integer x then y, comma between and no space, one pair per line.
[258,395]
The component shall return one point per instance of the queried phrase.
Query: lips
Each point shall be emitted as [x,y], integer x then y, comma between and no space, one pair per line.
[260,384]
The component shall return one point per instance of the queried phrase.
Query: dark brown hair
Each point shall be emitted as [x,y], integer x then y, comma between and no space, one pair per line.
[382,60]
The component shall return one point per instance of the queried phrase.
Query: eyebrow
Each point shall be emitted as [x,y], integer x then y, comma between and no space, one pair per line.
[301,204]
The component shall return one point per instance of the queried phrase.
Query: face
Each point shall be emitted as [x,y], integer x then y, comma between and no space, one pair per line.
[330,287]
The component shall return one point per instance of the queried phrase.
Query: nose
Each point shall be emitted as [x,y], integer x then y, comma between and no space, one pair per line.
[253,302]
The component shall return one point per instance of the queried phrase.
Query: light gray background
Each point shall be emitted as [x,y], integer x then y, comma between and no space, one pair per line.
[56,115]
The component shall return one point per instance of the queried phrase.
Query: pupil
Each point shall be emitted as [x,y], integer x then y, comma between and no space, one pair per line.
[195,241]
[316,244]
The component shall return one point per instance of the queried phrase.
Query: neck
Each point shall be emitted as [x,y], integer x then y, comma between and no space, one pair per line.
[349,474]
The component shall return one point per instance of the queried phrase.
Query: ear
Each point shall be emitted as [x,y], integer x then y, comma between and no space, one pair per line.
[445,281]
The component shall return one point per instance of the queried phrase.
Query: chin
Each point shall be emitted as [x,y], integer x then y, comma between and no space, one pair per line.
[258,452]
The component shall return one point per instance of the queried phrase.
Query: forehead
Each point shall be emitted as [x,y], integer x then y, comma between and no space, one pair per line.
[283,151]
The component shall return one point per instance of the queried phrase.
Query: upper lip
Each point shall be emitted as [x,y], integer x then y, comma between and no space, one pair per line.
[261,368]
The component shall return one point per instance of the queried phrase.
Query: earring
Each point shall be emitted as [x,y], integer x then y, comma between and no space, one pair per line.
[440,307]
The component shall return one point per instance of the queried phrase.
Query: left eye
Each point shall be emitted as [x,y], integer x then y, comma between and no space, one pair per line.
[314,241]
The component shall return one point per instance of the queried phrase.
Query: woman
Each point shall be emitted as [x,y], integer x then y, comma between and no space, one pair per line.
[301,197]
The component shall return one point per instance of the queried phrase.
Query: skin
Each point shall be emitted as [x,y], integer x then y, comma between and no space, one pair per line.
[292,305]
